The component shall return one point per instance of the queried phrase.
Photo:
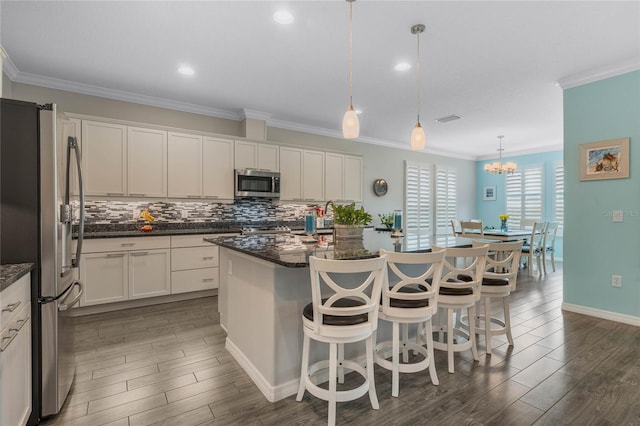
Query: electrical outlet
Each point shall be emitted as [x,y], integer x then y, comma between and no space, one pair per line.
[136,214]
[616,281]
[618,216]
[183,214]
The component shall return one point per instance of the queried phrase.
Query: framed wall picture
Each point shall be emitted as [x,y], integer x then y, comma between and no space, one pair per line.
[489,193]
[604,160]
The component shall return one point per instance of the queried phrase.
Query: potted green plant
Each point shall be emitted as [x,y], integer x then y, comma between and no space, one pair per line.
[386,219]
[349,221]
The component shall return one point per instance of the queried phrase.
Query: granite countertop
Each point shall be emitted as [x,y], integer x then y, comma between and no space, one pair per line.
[293,251]
[11,273]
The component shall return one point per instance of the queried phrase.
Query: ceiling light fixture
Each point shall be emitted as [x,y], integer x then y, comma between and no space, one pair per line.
[448,118]
[350,123]
[283,17]
[402,66]
[417,135]
[186,70]
[497,167]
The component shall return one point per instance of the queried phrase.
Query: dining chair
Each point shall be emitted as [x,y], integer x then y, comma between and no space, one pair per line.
[410,296]
[499,281]
[471,229]
[453,228]
[345,300]
[527,223]
[549,245]
[456,295]
[534,247]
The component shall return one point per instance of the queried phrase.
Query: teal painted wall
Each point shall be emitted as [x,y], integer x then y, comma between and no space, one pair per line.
[489,211]
[595,247]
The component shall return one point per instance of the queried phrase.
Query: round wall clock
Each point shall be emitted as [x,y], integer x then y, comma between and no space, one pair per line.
[380,187]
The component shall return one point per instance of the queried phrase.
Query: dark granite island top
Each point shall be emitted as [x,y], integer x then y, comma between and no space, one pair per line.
[11,273]
[293,251]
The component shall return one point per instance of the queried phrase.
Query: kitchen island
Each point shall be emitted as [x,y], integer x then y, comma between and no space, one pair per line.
[265,284]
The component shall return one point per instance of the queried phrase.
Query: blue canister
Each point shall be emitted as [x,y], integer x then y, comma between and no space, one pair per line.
[397,219]
[309,224]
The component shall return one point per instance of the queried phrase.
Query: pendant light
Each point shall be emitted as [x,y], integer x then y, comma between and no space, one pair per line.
[418,137]
[497,167]
[350,123]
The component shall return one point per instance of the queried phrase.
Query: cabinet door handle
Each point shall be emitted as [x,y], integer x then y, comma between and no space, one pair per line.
[114,193]
[193,196]
[11,306]
[6,341]
[137,195]
[139,253]
[207,280]
[115,255]
[127,244]
[207,258]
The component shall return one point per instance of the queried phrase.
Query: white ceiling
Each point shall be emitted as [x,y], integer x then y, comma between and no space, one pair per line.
[496,64]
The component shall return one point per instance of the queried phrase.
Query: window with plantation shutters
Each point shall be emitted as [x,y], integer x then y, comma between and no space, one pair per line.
[417,208]
[524,195]
[446,199]
[558,195]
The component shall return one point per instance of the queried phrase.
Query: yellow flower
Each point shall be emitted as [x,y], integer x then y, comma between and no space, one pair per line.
[504,216]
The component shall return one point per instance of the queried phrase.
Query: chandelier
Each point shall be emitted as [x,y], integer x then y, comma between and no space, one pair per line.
[498,167]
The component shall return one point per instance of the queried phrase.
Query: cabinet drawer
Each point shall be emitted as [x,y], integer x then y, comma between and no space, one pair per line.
[178,241]
[98,245]
[194,258]
[14,299]
[194,280]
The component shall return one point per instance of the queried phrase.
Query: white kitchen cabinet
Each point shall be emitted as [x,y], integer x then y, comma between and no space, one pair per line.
[149,273]
[334,176]
[290,174]
[343,178]
[15,353]
[313,176]
[119,269]
[184,165]
[253,155]
[301,175]
[105,278]
[194,264]
[104,158]
[146,162]
[217,168]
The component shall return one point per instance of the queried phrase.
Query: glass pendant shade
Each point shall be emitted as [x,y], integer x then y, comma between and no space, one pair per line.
[350,124]
[418,138]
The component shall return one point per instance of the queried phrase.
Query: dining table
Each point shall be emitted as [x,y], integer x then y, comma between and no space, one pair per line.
[497,234]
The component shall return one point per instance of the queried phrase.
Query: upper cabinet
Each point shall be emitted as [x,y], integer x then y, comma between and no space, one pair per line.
[253,155]
[301,175]
[122,160]
[217,168]
[104,158]
[200,167]
[343,178]
[146,162]
[185,165]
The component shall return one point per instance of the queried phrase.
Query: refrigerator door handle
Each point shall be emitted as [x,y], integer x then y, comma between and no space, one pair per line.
[63,305]
[73,144]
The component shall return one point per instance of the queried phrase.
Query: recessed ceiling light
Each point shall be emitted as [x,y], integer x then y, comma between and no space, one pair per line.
[186,70]
[402,66]
[283,17]
[448,118]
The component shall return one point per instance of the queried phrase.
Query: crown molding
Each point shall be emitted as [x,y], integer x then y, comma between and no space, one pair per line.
[119,95]
[597,74]
[8,66]
[257,115]
[537,150]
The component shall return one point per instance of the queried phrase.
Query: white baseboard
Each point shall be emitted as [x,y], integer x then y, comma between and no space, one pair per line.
[137,303]
[599,313]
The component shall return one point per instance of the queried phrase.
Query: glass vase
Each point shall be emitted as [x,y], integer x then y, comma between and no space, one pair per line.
[503,225]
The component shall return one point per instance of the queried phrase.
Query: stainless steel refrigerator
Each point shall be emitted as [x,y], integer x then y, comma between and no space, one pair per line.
[40,181]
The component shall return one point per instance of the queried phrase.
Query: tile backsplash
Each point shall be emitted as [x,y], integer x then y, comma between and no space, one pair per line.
[241,211]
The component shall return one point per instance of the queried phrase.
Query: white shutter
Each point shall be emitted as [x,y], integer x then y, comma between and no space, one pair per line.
[513,198]
[558,195]
[524,196]
[446,198]
[417,216]
[532,190]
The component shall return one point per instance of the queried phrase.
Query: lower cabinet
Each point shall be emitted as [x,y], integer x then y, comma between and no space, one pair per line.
[15,353]
[194,264]
[119,269]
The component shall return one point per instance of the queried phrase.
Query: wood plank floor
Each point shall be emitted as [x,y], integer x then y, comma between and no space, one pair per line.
[166,365]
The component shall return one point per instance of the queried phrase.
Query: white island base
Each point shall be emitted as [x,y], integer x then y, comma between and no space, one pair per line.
[261,307]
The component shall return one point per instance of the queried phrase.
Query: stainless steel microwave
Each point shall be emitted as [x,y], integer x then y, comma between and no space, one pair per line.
[257,183]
